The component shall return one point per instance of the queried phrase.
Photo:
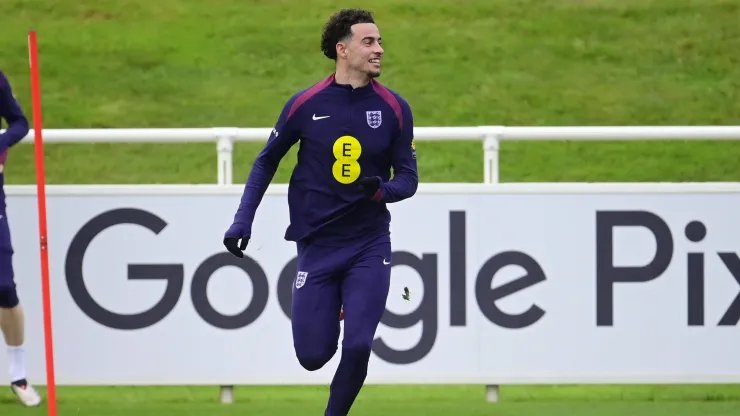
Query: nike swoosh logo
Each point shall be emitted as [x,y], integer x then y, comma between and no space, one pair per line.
[386,262]
[319,118]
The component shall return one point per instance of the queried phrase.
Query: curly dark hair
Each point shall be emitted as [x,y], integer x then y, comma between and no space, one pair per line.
[339,27]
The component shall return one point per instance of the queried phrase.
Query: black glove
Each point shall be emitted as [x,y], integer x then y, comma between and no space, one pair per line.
[369,186]
[236,248]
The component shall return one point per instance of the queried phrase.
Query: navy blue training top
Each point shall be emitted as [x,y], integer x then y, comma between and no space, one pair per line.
[17,128]
[345,133]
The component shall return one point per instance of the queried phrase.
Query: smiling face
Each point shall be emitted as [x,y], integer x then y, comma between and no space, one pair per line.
[361,52]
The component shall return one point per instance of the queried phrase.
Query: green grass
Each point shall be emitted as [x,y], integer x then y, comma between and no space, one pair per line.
[189,63]
[198,63]
[392,401]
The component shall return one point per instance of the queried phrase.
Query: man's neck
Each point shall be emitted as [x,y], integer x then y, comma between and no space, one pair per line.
[355,79]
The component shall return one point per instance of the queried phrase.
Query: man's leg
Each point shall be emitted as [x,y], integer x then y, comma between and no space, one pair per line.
[364,292]
[12,325]
[315,307]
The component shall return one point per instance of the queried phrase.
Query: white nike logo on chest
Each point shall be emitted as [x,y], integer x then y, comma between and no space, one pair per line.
[319,118]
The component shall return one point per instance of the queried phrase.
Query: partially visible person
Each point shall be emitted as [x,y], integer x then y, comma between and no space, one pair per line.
[11,313]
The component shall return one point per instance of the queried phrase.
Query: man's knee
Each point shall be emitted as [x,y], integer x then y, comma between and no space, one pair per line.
[359,345]
[313,359]
[356,355]
[359,349]
[8,297]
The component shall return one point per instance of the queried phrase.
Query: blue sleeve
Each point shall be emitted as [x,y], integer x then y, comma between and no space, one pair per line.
[11,111]
[403,160]
[283,136]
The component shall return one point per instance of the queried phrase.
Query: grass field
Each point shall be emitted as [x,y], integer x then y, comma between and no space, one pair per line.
[404,401]
[191,63]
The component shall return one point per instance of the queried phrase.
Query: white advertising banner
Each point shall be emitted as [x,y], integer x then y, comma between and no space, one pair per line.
[509,284]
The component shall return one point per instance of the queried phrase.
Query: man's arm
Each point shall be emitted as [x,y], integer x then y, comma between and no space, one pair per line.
[283,136]
[403,159]
[11,111]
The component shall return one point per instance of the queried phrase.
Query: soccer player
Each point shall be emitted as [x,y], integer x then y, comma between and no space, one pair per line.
[352,130]
[11,313]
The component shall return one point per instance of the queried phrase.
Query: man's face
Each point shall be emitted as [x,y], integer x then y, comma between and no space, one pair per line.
[363,51]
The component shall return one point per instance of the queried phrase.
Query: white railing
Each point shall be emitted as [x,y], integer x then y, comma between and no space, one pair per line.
[491,137]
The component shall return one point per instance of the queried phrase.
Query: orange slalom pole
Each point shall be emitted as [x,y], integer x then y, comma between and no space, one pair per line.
[43,241]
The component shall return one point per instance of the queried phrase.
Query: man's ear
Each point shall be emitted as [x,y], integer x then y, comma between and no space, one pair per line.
[341,50]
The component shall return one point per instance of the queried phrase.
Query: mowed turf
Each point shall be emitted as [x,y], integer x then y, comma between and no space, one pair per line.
[198,63]
[397,401]
[187,63]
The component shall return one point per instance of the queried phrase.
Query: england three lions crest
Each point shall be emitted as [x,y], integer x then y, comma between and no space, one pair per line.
[300,279]
[374,119]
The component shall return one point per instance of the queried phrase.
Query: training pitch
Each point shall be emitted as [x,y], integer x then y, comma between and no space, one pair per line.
[188,63]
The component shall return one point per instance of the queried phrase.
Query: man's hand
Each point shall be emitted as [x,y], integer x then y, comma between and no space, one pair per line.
[236,240]
[370,187]
[235,247]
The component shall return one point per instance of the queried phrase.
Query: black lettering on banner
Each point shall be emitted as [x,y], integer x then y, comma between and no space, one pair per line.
[426,313]
[732,314]
[487,297]
[695,231]
[199,293]
[425,265]
[607,275]
[173,274]
[458,270]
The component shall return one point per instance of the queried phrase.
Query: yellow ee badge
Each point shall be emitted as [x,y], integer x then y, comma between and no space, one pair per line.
[347,150]
[413,148]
